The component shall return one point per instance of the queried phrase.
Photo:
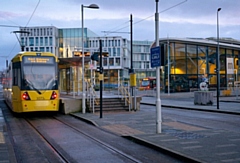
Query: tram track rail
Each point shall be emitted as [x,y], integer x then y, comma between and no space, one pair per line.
[101,142]
[63,155]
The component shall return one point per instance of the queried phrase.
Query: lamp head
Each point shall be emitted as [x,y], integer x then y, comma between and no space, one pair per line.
[219,9]
[93,6]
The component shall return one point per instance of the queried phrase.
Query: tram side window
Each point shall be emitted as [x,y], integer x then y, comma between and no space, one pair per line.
[16,77]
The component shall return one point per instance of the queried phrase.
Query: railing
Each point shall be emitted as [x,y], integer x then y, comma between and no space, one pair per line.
[92,96]
[124,93]
[146,92]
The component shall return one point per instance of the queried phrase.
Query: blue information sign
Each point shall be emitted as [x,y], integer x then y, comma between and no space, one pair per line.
[155,57]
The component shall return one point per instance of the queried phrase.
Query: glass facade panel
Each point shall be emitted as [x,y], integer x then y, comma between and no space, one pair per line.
[192,59]
[236,65]
[202,55]
[180,59]
[212,63]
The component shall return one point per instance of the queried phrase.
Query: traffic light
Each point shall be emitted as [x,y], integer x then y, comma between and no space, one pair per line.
[100,70]
[94,57]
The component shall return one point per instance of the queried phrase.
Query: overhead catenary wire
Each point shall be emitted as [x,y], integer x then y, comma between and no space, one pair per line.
[21,26]
[33,13]
[116,31]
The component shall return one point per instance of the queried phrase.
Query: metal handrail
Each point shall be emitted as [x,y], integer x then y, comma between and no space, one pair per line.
[93,94]
[125,95]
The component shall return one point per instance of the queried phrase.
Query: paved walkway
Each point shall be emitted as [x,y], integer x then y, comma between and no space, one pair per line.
[198,144]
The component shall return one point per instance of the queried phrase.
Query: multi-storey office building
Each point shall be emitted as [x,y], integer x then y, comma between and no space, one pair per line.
[44,39]
[141,60]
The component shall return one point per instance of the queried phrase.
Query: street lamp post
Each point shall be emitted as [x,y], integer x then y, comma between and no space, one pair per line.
[218,62]
[158,100]
[92,6]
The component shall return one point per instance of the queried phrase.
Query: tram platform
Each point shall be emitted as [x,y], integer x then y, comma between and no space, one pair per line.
[190,142]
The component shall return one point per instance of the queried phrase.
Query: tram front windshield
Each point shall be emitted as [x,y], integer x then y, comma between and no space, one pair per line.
[39,77]
[145,83]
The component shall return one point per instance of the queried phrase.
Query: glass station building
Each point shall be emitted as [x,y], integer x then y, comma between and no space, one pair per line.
[188,61]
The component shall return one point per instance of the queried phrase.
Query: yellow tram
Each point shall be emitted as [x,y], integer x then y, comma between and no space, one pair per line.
[31,82]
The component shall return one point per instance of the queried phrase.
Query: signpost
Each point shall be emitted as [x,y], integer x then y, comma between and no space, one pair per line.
[155,57]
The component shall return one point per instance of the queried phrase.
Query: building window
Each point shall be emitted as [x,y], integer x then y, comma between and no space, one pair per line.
[97,44]
[46,41]
[102,43]
[118,51]
[114,51]
[50,41]
[109,52]
[111,61]
[147,65]
[22,41]
[105,43]
[41,49]
[90,43]
[104,61]
[41,41]
[117,61]
[31,41]
[36,41]
[51,32]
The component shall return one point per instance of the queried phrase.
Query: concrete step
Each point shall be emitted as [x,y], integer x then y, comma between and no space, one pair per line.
[109,104]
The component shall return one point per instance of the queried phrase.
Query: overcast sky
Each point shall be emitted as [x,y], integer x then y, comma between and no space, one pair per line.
[178,18]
